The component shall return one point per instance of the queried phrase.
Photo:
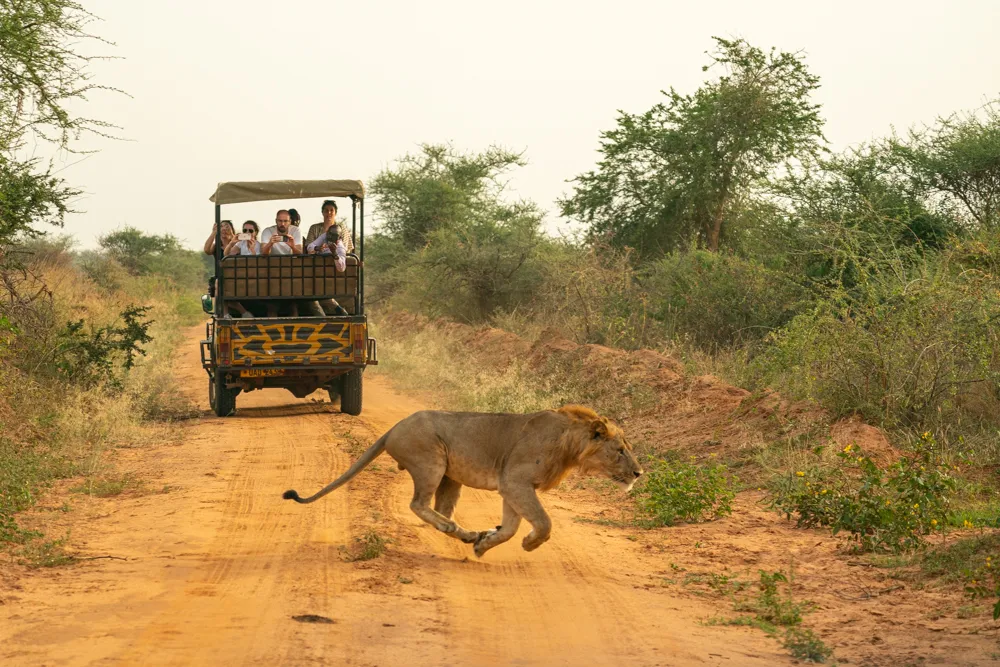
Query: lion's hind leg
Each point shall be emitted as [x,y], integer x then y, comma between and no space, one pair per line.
[446,496]
[425,483]
[506,530]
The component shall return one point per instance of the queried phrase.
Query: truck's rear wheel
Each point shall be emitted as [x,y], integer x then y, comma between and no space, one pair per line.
[221,398]
[350,393]
[335,388]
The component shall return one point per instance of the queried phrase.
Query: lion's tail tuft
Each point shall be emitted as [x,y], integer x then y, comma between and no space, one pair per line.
[366,458]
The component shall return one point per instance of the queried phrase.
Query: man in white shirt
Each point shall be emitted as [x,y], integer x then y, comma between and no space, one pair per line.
[282,238]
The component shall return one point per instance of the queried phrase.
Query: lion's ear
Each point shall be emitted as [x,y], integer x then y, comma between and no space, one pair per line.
[599,429]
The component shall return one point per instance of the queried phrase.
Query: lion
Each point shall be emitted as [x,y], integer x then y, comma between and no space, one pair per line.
[515,454]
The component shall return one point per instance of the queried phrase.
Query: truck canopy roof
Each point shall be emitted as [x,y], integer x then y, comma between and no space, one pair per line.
[235,192]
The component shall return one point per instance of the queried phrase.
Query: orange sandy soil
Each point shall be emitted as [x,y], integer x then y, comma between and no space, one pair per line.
[215,569]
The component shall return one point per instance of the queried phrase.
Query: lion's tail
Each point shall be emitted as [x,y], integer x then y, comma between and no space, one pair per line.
[370,455]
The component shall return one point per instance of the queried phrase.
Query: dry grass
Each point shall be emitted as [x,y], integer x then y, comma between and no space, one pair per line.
[50,428]
[428,363]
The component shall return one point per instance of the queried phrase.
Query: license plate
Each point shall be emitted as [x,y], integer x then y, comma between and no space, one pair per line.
[261,372]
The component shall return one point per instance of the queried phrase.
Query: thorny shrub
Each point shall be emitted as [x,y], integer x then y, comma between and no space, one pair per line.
[886,511]
[901,350]
[717,300]
[93,356]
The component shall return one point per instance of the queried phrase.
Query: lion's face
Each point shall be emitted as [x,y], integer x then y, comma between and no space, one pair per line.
[614,458]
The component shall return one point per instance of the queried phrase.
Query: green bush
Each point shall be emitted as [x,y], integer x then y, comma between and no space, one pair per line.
[773,609]
[594,294]
[96,355]
[718,300]
[104,271]
[147,254]
[984,582]
[803,644]
[19,482]
[676,491]
[468,274]
[907,348]
[887,511]
[771,605]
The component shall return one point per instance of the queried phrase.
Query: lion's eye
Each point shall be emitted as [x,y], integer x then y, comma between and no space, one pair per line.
[621,452]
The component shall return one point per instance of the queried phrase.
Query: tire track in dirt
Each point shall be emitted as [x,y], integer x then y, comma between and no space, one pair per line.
[225,614]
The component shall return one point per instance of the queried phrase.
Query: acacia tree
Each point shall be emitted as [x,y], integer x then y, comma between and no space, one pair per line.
[41,75]
[684,169]
[449,234]
[959,159]
[440,188]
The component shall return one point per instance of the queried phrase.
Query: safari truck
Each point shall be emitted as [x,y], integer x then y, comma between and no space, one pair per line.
[297,353]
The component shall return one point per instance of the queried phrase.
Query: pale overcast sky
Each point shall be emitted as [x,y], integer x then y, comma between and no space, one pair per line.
[251,90]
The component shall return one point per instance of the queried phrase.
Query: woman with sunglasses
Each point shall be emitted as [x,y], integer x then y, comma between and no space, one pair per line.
[246,243]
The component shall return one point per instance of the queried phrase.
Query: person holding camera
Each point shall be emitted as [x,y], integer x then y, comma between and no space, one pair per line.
[226,228]
[282,238]
[329,243]
[329,210]
[245,243]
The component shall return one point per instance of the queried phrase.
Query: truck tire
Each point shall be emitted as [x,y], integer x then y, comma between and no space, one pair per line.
[350,393]
[225,398]
[335,388]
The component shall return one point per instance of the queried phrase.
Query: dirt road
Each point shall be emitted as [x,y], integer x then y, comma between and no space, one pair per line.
[217,565]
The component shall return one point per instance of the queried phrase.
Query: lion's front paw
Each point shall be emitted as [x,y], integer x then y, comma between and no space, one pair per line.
[532,541]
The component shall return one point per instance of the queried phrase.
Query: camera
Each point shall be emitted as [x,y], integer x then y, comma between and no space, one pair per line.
[244,236]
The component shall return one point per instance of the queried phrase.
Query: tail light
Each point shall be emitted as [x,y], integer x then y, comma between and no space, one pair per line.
[358,342]
[223,337]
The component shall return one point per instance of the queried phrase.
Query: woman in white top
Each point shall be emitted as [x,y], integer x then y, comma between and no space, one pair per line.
[245,246]
[249,245]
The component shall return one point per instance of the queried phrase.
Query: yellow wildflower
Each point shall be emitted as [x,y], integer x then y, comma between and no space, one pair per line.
[800,474]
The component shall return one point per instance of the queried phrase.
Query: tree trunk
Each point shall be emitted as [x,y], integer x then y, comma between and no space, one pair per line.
[716,231]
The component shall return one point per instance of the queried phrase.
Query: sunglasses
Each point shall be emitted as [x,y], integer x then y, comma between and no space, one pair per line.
[248,230]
